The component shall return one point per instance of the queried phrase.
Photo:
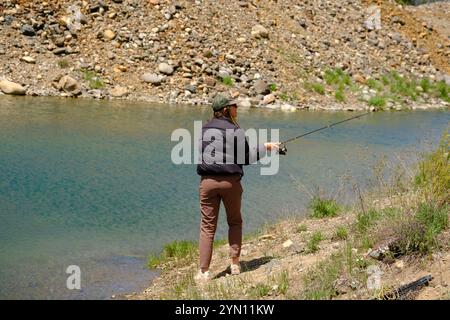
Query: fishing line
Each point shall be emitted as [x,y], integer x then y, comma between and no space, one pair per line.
[283,150]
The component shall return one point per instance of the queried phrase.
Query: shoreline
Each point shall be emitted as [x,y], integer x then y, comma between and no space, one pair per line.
[286,107]
[327,252]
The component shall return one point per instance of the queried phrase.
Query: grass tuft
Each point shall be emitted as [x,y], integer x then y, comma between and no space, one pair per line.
[93,79]
[341,233]
[175,250]
[312,245]
[227,80]
[322,208]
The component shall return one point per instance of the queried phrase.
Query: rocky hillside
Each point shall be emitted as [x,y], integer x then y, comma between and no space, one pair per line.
[347,54]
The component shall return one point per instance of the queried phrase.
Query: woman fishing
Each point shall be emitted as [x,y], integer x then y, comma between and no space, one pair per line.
[224,152]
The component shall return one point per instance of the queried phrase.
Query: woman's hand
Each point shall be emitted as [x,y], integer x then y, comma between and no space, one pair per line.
[272,145]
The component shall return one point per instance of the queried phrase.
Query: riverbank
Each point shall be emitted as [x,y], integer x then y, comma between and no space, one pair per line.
[323,55]
[393,236]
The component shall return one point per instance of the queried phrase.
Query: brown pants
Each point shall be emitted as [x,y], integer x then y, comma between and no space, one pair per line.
[214,189]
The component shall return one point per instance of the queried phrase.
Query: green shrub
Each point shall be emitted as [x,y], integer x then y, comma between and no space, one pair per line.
[93,79]
[313,244]
[375,85]
[323,207]
[419,234]
[425,84]
[318,88]
[403,86]
[301,228]
[443,90]
[377,101]
[337,77]
[331,77]
[433,177]
[339,96]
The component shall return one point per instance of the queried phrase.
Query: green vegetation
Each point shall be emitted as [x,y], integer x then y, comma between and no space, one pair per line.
[319,281]
[375,84]
[322,208]
[93,79]
[184,288]
[317,87]
[283,282]
[365,220]
[337,77]
[283,96]
[341,233]
[433,176]
[411,218]
[176,250]
[339,95]
[339,80]
[272,87]
[443,90]
[260,290]
[227,80]
[219,243]
[425,84]
[415,228]
[377,101]
[63,63]
[312,245]
[398,87]
[301,228]
[419,233]
[391,86]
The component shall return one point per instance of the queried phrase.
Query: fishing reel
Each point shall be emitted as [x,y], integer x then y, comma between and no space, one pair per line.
[282,150]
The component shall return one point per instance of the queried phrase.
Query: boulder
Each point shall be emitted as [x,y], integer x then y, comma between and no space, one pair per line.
[69,85]
[9,87]
[261,87]
[270,98]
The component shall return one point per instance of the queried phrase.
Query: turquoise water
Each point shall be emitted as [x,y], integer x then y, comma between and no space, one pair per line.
[90,183]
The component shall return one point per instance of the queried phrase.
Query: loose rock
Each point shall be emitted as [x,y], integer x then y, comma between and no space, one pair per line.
[151,78]
[258,31]
[165,68]
[28,30]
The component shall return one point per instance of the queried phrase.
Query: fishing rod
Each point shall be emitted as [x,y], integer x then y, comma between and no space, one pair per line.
[283,150]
